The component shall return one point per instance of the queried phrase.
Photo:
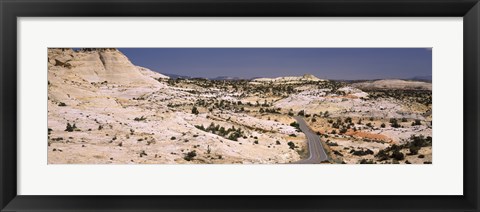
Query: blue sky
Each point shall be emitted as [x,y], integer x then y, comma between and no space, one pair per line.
[329,63]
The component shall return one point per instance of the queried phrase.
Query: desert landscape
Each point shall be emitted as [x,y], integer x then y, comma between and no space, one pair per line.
[103,109]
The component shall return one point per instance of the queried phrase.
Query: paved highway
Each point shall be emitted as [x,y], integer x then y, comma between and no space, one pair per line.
[315,148]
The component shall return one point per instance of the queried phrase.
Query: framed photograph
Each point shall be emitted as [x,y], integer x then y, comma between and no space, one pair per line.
[229,105]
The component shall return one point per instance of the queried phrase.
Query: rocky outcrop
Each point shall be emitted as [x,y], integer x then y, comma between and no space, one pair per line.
[149,73]
[98,65]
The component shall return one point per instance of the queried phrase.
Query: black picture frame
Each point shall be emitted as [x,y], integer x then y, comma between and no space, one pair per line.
[10,10]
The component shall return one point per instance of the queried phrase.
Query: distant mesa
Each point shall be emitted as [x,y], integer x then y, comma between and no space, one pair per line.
[176,76]
[394,84]
[226,78]
[310,76]
[306,77]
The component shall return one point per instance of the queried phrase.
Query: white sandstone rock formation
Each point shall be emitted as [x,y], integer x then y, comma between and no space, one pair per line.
[394,84]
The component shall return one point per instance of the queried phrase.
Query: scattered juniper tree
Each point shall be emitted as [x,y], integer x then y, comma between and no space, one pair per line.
[71,128]
[416,122]
[291,145]
[190,155]
[195,110]
[394,123]
[140,118]
[301,113]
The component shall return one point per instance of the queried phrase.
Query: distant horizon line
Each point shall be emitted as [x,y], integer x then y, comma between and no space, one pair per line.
[417,78]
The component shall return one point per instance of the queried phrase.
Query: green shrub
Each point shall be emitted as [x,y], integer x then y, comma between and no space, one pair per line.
[365,161]
[397,155]
[361,152]
[331,143]
[71,128]
[382,155]
[348,120]
[140,118]
[195,110]
[200,127]
[394,123]
[301,113]
[416,122]
[326,114]
[190,155]
[296,125]
[291,145]
[414,150]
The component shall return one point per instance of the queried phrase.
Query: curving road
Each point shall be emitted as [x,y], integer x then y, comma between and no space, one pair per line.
[315,148]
